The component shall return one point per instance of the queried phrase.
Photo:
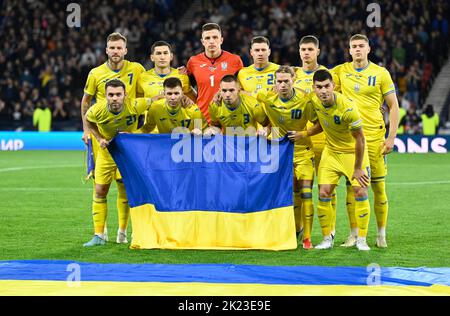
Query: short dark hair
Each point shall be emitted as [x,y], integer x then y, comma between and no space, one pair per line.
[211,26]
[429,111]
[159,43]
[172,82]
[322,75]
[229,78]
[115,83]
[285,70]
[259,40]
[309,39]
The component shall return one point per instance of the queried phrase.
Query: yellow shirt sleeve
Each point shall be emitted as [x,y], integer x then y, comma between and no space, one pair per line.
[185,84]
[239,78]
[351,116]
[258,114]
[335,73]
[91,84]
[387,85]
[142,104]
[311,115]
[139,89]
[90,116]
[261,96]
[150,123]
[212,110]
[196,114]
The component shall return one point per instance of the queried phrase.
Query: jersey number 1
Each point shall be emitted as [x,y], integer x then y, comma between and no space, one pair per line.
[211,80]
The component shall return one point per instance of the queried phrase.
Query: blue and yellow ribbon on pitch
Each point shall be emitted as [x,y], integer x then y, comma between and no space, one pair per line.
[40,277]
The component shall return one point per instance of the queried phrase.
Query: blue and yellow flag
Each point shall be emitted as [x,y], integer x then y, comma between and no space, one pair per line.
[90,164]
[226,192]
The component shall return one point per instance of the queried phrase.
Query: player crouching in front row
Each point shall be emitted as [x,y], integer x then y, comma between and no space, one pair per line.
[105,119]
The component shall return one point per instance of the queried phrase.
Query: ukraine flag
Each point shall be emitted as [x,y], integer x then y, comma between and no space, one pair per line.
[224,192]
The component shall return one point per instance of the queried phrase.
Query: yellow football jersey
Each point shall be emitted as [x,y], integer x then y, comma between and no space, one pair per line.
[109,124]
[337,122]
[304,81]
[242,116]
[150,84]
[367,87]
[97,78]
[288,115]
[166,118]
[254,79]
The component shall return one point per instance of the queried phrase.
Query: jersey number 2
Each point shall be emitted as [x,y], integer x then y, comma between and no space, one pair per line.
[131,119]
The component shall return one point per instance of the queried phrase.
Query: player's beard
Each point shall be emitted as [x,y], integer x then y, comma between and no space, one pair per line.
[116,59]
[115,107]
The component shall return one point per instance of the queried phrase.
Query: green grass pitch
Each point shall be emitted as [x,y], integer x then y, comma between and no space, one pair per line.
[45,214]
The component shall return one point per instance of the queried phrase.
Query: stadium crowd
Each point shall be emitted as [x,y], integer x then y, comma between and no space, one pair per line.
[44,63]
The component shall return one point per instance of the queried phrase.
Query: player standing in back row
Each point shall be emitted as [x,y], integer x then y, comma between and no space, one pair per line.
[209,67]
[116,67]
[369,85]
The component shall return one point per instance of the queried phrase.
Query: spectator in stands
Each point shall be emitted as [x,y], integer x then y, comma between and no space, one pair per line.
[411,121]
[401,115]
[413,80]
[404,102]
[430,121]
[59,113]
[42,118]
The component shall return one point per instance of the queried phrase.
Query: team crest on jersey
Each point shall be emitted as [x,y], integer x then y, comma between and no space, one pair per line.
[357,87]
[224,65]
[281,119]
[212,68]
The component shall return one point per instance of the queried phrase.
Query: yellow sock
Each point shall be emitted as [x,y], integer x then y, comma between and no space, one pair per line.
[362,215]
[324,211]
[93,198]
[298,211]
[307,211]
[380,203]
[99,211]
[333,214]
[122,206]
[351,207]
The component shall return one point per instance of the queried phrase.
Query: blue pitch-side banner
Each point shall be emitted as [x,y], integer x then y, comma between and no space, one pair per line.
[422,144]
[72,141]
[41,141]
